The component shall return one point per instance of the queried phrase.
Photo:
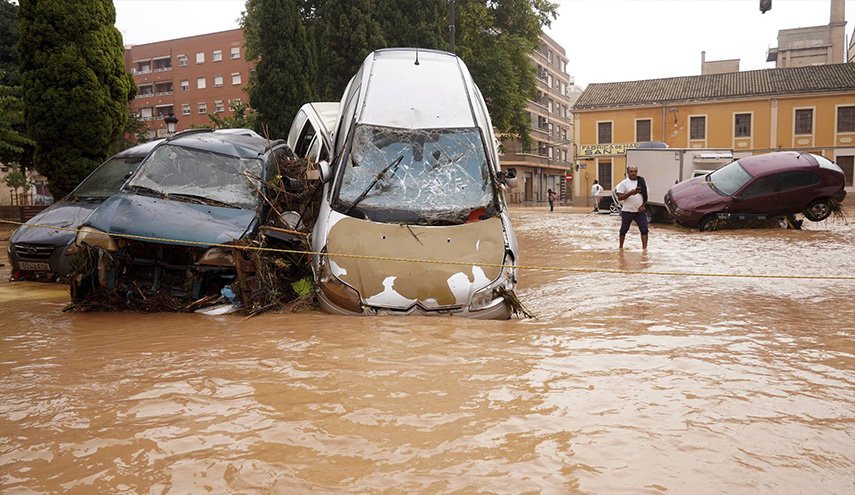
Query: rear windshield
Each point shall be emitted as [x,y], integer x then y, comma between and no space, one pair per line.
[106,179]
[728,179]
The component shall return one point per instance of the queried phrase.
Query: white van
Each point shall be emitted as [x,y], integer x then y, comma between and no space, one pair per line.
[413,218]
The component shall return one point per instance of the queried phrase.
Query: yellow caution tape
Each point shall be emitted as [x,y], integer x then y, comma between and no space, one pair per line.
[442,262]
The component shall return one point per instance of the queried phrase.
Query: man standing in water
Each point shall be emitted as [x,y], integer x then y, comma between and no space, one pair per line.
[632,192]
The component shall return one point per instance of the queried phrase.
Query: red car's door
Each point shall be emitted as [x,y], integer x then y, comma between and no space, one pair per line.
[798,188]
[758,196]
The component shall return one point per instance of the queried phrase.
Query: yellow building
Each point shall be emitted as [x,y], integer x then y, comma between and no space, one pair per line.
[801,108]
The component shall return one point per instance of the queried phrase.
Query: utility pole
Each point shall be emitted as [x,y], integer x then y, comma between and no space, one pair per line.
[451,22]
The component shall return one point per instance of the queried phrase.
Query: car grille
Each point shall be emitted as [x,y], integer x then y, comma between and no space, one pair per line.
[33,251]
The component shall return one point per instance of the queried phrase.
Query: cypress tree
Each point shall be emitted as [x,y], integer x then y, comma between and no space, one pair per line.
[351,32]
[421,24]
[75,86]
[281,82]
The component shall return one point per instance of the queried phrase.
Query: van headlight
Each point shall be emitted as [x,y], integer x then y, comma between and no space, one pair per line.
[95,238]
[506,281]
[338,292]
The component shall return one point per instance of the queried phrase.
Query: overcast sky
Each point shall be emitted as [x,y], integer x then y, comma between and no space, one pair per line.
[605,40]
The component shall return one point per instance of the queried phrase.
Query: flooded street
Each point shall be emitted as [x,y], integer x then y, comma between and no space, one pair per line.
[642,382]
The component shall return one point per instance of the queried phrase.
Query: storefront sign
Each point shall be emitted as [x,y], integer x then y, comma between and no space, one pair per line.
[593,150]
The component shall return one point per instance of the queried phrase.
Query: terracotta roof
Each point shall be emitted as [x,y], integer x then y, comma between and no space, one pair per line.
[765,82]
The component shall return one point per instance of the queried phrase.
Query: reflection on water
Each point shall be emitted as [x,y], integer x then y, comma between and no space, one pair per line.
[626,383]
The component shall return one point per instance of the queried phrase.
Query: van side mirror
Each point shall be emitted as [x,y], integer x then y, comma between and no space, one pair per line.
[325,174]
[508,177]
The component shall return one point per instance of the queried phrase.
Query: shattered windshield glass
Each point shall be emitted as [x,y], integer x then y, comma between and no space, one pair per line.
[423,176]
[187,174]
[729,178]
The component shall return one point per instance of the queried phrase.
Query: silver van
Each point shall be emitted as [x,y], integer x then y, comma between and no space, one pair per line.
[413,218]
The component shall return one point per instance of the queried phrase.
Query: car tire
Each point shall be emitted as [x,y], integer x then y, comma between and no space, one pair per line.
[614,209]
[711,222]
[818,210]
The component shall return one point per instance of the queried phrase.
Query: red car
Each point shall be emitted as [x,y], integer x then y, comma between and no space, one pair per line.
[762,186]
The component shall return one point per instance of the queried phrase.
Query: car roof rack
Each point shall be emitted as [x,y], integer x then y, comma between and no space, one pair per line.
[188,132]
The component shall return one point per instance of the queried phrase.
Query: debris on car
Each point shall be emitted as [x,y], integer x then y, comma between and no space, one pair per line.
[208,219]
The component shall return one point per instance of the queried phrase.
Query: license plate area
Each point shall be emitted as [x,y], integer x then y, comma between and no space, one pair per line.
[34,266]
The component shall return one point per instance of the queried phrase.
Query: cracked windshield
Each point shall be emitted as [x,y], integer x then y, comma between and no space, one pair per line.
[195,175]
[435,174]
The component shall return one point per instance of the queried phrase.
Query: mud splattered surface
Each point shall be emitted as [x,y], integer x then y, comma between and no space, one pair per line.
[625,383]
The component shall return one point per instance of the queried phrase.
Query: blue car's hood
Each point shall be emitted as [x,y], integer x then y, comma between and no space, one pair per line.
[65,216]
[162,219]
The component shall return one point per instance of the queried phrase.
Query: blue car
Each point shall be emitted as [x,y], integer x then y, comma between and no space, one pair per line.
[40,253]
[159,233]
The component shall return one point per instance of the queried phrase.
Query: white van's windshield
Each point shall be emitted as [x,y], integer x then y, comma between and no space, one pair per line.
[423,176]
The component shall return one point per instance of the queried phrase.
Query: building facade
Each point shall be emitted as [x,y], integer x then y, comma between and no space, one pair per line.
[802,108]
[188,77]
[549,160]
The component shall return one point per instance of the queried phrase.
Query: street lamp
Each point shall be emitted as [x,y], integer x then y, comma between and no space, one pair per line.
[171,121]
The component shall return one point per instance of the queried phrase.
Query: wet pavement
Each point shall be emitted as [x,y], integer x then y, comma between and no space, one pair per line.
[641,382]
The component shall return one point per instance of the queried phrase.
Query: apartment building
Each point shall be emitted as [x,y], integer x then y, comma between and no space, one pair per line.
[188,77]
[808,108]
[547,164]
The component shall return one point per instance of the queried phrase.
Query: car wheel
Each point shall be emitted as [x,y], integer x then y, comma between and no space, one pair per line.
[711,222]
[651,215]
[615,209]
[818,210]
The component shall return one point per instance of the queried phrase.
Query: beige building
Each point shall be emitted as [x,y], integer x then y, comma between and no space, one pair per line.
[549,160]
[814,45]
[190,77]
[808,108]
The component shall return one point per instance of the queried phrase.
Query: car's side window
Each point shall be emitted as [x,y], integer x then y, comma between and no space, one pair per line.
[795,180]
[305,140]
[763,186]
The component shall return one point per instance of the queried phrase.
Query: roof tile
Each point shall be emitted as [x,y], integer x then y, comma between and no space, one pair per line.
[764,82]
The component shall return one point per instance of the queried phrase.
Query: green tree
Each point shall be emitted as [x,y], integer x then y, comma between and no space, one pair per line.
[351,32]
[421,24]
[242,118]
[17,180]
[496,39]
[13,143]
[8,42]
[281,81]
[75,87]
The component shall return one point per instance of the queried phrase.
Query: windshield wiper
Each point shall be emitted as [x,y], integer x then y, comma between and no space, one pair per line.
[204,200]
[393,166]
[145,190]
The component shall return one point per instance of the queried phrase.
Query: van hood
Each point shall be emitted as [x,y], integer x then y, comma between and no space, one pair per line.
[170,222]
[432,284]
[65,216]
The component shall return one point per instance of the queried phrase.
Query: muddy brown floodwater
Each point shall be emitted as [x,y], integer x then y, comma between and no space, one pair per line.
[625,383]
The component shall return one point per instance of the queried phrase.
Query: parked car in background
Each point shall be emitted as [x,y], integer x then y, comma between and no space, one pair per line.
[155,236]
[416,176]
[37,251]
[765,186]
